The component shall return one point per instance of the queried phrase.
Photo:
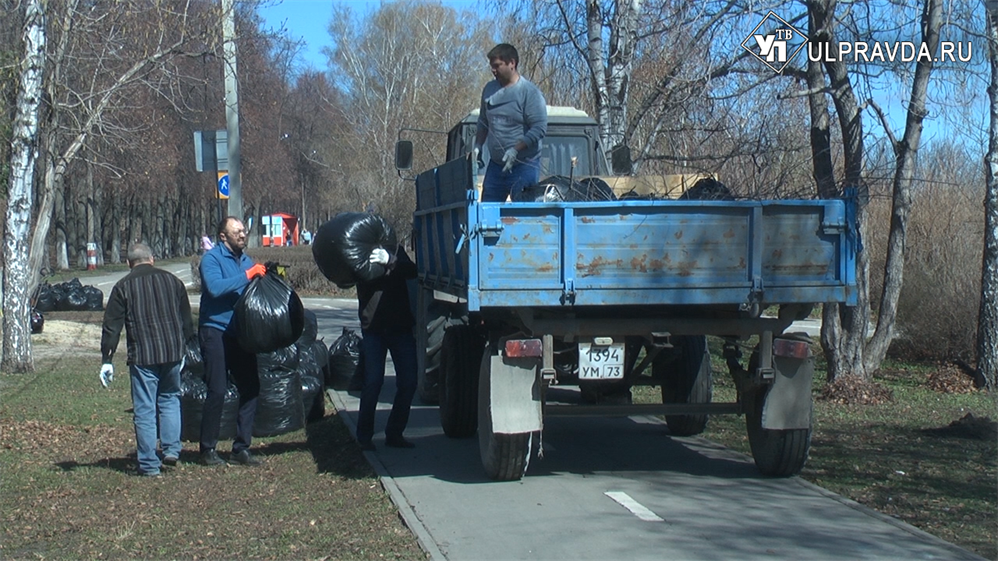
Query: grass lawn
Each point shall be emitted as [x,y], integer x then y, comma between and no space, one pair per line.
[67,448]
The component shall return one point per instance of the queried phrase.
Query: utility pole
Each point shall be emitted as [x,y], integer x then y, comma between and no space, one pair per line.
[232,108]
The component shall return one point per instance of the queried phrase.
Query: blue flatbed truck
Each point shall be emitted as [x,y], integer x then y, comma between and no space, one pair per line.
[522,299]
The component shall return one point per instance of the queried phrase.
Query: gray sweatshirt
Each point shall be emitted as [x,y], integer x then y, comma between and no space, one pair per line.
[511,114]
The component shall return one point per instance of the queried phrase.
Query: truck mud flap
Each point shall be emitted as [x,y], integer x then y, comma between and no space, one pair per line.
[788,403]
[514,395]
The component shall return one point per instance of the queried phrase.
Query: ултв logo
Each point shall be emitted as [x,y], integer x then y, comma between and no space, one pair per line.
[775,42]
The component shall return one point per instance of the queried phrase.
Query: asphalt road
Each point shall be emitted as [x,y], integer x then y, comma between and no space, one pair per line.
[616,488]
[610,488]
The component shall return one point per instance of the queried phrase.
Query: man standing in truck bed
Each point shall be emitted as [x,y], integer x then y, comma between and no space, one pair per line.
[513,118]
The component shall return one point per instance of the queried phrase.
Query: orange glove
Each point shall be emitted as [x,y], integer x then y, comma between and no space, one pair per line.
[255,271]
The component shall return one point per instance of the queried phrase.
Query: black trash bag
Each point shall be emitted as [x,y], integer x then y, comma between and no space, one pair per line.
[47,298]
[342,247]
[193,392]
[707,189]
[313,400]
[309,332]
[269,315]
[344,354]
[95,298]
[73,300]
[321,354]
[559,188]
[279,409]
[37,321]
[192,356]
[285,359]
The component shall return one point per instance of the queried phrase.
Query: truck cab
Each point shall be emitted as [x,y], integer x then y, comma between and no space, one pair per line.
[571,134]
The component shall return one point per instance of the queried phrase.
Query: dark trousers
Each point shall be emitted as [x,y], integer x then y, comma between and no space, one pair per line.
[374,349]
[221,354]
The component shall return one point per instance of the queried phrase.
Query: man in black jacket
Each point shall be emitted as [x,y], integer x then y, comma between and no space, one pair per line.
[152,305]
[386,322]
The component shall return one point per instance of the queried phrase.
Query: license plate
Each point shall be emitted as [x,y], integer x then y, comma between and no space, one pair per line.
[601,362]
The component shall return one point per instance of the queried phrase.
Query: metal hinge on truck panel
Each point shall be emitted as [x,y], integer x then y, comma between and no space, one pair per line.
[753,302]
[484,230]
[568,292]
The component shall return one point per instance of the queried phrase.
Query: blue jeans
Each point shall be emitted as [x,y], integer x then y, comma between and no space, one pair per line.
[374,348]
[498,185]
[156,387]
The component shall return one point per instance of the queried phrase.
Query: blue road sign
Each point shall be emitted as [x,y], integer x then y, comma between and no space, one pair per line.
[223,185]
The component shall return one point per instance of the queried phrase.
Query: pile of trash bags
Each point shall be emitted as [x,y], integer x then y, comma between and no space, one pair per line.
[342,247]
[291,385]
[70,296]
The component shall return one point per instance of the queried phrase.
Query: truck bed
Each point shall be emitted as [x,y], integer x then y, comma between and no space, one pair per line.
[646,253]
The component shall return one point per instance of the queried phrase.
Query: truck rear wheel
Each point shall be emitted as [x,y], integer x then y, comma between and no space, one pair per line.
[777,453]
[504,456]
[460,356]
[686,378]
[438,320]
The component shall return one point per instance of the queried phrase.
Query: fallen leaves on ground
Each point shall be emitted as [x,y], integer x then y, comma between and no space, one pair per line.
[853,390]
[968,426]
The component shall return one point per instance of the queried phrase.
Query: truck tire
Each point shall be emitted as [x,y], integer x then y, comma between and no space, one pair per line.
[439,319]
[460,356]
[504,456]
[686,378]
[777,453]
[430,340]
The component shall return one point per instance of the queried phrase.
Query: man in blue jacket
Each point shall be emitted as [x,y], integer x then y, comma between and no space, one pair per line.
[225,273]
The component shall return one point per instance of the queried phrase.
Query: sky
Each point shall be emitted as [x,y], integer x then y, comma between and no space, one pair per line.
[309,19]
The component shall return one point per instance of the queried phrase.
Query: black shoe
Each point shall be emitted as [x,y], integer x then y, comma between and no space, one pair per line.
[244,458]
[211,458]
[398,442]
[367,446]
[170,461]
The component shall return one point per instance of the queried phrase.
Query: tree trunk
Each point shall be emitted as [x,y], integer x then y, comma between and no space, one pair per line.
[843,328]
[987,321]
[904,173]
[17,274]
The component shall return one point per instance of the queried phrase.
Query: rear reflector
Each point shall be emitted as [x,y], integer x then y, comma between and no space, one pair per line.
[790,349]
[518,348]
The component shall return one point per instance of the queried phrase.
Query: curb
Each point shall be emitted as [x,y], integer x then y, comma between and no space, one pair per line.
[396,495]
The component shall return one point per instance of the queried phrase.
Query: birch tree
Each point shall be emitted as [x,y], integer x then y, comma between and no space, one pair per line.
[16,301]
[987,322]
[96,55]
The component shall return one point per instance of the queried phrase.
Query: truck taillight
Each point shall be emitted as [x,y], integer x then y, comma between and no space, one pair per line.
[519,348]
[790,349]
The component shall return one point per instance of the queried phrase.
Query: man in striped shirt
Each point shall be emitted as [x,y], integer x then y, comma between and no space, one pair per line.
[153,307]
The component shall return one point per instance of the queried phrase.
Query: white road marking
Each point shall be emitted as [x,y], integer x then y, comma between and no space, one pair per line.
[636,508]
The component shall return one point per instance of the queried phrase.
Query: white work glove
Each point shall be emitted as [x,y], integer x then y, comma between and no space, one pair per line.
[476,156]
[379,257]
[509,158]
[106,375]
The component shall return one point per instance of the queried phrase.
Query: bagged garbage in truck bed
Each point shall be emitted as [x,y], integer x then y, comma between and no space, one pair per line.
[343,245]
[559,188]
[269,314]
